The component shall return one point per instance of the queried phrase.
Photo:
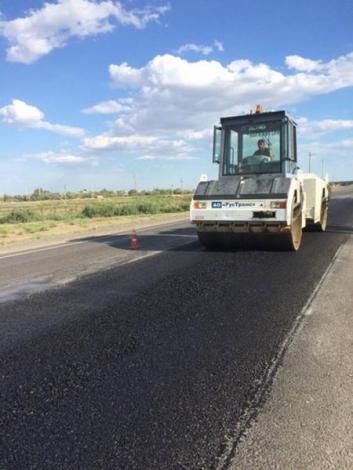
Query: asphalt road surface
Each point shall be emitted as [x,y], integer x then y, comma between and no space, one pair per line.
[151,364]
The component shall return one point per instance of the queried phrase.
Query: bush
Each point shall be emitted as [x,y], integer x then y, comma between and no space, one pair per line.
[149,208]
[19,216]
[126,210]
[183,207]
[103,210]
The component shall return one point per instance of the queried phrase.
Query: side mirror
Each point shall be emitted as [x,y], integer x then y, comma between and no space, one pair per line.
[217,144]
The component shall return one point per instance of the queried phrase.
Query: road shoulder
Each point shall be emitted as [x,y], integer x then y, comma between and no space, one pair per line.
[113,227]
[307,422]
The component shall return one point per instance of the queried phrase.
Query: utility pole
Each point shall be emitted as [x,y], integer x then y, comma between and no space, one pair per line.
[310,155]
[322,168]
[65,198]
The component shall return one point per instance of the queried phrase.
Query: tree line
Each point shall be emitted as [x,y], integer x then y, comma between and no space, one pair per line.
[41,194]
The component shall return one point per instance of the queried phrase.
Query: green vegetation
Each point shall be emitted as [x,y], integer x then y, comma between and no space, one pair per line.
[3,232]
[41,194]
[147,207]
[103,204]
[19,216]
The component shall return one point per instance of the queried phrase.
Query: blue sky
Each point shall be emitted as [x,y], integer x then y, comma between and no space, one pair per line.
[105,94]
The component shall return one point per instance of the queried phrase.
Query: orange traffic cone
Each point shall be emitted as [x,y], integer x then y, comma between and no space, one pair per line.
[134,244]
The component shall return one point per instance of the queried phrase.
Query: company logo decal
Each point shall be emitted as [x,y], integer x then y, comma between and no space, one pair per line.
[234,204]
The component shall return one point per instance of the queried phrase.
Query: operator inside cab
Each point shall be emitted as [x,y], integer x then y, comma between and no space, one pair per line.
[263,151]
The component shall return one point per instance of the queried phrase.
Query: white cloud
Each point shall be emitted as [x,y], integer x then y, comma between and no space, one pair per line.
[61,157]
[196,135]
[51,26]
[301,64]
[22,114]
[172,94]
[190,47]
[200,49]
[330,148]
[68,131]
[169,71]
[219,45]
[333,158]
[314,128]
[173,103]
[107,107]
[125,76]
[181,156]
[135,143]
[106,142]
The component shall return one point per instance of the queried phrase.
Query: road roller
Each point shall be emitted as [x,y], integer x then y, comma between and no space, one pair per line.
[261,197]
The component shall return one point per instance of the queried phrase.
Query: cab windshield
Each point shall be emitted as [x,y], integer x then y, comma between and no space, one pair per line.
[252,149]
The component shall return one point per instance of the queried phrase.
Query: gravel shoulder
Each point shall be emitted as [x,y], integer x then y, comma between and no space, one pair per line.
[308,420]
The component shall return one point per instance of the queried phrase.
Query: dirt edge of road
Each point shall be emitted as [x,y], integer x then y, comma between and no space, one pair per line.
[108,228]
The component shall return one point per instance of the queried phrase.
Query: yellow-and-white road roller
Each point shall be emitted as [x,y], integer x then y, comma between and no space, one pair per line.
[261,197]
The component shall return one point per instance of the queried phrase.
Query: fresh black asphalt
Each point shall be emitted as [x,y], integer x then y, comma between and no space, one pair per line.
[150,365]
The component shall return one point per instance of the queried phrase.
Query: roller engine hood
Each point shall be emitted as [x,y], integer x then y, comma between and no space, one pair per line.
[244,187]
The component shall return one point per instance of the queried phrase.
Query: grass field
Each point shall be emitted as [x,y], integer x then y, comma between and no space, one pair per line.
[66,210]
[31,219]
